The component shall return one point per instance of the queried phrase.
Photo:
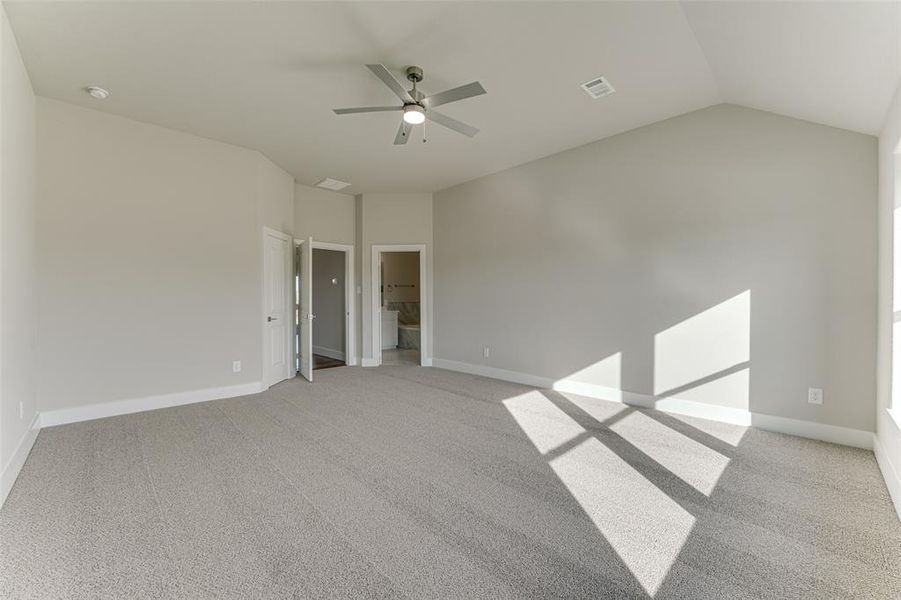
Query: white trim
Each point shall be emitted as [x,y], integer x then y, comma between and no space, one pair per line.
[289,364]
[892,480]
[725,414]
[425,359]
[370,362]
[494,373]
[14,465]
[332,246]
[123,407]
[329,352]
[815,431]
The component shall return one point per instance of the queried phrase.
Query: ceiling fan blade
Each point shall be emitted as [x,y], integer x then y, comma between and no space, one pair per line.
[458,126]
[402,135]
[452,95]
[388,79]
[366,109]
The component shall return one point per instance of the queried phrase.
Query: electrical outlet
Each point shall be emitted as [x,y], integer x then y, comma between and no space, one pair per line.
[486,352]
[814,395]
[21,410]
[236,366]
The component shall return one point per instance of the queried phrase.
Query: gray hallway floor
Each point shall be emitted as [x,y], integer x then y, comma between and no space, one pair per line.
[420,483]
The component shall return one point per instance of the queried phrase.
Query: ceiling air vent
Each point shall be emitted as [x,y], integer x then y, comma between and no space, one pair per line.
[332,184]
[598,88]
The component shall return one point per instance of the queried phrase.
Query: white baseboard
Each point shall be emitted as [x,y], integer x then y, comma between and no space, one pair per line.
[370,362]
[123,407]
[427,361]
[725,414]
[814,431]
[329,352]
[15,463]
[889,473]
[493,372]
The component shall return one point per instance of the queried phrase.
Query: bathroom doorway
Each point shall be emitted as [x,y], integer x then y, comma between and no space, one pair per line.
[399,305]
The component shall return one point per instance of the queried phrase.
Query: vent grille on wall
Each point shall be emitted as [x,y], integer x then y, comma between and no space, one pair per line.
[332,184]
[598,88]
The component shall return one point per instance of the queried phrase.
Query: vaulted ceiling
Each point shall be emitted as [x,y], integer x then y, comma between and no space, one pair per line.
[266,75]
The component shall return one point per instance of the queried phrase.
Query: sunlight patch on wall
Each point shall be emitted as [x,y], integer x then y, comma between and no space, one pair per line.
[546,425]
[642,524]
[896,259]
[732,390]
[896,299]
[604,378]
[692,462]
[704,345]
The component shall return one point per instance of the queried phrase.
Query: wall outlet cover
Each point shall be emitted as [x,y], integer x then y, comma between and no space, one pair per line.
[814,395]
[236,366]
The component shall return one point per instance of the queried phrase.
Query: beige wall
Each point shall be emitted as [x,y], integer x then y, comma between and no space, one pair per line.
[324,215]
[401,271]
[328,301]
[18,371]
[150,256]
[888,415]
[401,218]
[725,256]
[276,197]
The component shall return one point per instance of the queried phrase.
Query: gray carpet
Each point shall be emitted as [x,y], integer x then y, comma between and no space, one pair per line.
[421,483]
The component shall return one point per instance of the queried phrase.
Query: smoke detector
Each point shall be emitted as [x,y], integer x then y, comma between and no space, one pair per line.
[332,184]
[97,92]
[598,88]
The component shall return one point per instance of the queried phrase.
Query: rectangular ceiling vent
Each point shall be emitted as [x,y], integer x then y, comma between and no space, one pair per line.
[598,88]
[332,184]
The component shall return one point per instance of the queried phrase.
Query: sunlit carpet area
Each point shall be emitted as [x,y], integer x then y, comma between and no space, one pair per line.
[421,483]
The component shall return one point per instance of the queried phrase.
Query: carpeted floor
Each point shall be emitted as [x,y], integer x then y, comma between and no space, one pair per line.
[420,483]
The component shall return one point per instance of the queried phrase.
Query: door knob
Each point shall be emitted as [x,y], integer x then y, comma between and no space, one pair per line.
[270,319]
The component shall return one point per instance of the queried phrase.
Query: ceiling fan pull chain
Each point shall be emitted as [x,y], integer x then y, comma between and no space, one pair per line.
[423,132]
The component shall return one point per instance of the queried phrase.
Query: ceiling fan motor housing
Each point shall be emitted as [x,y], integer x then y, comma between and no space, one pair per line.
[414,74]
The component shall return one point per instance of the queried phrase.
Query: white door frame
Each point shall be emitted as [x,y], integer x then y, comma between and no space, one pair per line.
[350,329]
[425,359]
[289,291]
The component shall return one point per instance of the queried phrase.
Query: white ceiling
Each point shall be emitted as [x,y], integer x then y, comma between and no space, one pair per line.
[266,75]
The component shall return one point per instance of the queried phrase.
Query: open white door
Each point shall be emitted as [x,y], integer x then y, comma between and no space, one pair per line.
[306,306]
[277,343]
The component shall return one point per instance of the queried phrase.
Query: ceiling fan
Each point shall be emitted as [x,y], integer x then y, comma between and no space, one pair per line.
[417,107]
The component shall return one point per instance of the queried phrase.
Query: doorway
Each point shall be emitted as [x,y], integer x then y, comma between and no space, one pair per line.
[323,294]
[399,305]
[330,332]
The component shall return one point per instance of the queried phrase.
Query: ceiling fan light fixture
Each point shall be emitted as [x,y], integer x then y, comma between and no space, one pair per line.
[414,114]
[415,103]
